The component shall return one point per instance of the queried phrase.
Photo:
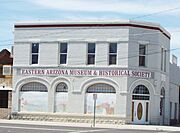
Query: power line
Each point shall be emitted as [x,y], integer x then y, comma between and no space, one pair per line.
[129,41]
[157,52]
[88,28]
[155,13]
[129,57]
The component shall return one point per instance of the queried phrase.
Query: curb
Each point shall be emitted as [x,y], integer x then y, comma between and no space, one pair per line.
[110,126]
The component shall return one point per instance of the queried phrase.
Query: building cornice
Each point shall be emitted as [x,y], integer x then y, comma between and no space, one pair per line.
[135,24]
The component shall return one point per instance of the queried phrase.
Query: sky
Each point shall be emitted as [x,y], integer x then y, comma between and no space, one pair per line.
[164,12]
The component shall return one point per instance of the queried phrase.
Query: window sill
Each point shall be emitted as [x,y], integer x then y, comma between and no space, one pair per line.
[34,64]
[143,66]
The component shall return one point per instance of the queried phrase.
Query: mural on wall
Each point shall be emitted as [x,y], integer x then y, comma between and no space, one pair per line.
[105,103]
[33,101]
[61,102]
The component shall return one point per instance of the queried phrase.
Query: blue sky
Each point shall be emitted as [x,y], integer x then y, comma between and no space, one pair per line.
[24,10]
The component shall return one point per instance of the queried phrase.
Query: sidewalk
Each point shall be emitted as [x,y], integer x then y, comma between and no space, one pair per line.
[136,127]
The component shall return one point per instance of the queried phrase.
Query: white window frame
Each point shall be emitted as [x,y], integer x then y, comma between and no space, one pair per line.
[59,53]
[112,53]
[91,54]
[31,54]
[145,55]
[163,59]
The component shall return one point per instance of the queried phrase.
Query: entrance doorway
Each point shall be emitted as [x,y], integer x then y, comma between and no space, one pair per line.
[140,105]
[140,111]
[5,103]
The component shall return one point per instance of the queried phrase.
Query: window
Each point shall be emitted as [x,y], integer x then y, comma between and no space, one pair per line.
[140,93]
[170,110]
[63,53]
[142,55]
[175,110]
[91,53]
[165,51]
[162,101]
[163,59]
[112,53]
[35,51]
[34,86]
[101,88]
[62,87]
[147,111]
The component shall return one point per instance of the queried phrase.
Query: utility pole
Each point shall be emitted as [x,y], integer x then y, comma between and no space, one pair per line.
[94,118]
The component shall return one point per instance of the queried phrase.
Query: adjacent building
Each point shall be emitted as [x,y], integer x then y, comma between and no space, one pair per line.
[5,83]
[60,68]
[174,89]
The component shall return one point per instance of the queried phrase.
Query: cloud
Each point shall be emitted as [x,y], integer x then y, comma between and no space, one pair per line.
[118,6]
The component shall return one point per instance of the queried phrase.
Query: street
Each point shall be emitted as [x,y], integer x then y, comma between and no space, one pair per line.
[27,128]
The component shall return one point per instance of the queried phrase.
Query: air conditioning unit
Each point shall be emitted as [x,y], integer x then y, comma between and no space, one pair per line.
[7,70]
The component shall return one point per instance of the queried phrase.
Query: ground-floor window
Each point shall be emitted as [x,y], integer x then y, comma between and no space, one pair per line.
[33,97]
[4,99]
[61,97]
[106,99]
[175,110]
[162,102]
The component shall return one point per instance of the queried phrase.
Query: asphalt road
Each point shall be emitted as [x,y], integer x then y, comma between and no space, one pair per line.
[26,128]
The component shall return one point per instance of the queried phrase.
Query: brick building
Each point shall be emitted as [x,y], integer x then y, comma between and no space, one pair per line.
[5,83]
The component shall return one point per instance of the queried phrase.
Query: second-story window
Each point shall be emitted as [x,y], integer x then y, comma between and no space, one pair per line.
[163,59]
[112,53]
[165,53]
[34,52]
[142,55]
[91,53]
[63,53]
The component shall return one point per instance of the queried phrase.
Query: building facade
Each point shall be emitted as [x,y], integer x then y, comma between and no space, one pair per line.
[174,90]
[60,68]
[5,83]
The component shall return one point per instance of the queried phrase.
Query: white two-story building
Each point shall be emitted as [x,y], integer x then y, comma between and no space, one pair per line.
[61,67]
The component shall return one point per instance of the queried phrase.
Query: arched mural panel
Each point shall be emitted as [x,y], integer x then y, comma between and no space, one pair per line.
[105,96]
[33,97]
[61,97]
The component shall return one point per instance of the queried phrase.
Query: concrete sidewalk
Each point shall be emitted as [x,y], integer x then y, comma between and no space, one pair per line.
[135,127]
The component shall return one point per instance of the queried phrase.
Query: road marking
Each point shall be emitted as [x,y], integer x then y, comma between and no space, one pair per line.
[51,129]
[88,131]
[31,128]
